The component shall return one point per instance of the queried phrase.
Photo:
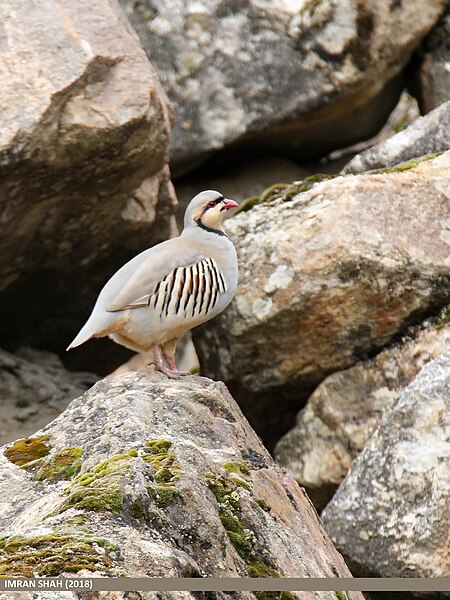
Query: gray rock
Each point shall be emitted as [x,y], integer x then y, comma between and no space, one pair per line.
[325,279]
[84,184]
[34,388]
[390,516]
[433,75]
[345,410]
[427,135]
[299,77]
[173,483]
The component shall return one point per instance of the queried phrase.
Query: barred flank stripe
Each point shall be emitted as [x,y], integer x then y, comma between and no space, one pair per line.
[180,291]
[190,291]
[196,285]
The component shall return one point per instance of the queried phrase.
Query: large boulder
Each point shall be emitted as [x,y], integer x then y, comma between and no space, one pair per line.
[432,79]
[300,77]
[327,277]
[346,409]
[34,388]
[390,517]
[143,476]
[427,135]
[84,183]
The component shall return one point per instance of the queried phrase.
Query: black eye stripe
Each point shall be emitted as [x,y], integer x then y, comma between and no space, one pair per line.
[216,202]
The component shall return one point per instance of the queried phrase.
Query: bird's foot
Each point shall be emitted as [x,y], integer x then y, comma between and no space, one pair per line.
[170,373]
[171,370]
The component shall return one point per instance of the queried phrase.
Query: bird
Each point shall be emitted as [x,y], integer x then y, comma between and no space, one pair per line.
[170,288]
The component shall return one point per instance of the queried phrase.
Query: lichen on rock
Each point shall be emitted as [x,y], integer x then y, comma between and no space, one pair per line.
[27,450]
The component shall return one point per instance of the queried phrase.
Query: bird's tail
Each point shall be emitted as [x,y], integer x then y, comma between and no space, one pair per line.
[85,334]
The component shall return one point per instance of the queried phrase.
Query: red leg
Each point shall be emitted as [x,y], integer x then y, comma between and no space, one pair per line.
[171,371]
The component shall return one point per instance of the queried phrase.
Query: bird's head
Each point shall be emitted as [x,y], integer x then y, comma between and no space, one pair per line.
[207,210]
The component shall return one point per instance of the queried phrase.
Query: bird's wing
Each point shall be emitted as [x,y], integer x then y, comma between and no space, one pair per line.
[148,277]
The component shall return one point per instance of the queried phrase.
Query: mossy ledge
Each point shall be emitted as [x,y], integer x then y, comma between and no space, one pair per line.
[54,553]
[404,166]
[245,542]
[27,450]
[99,489]
[59,466]
[284,191]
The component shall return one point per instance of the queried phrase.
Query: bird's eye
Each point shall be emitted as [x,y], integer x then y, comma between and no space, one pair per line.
[212,204]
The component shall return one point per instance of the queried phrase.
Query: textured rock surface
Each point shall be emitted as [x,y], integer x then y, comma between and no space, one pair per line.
[427,135]
[326,296]
[345,410]
[303,76]
[433,77]
[84,133]
[173,483]
[34,389]
[391,515]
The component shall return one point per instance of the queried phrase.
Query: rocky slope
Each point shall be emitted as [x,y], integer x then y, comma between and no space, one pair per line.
[143,476]
[314,298]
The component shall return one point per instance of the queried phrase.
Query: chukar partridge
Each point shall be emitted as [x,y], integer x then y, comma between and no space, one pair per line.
[165,291]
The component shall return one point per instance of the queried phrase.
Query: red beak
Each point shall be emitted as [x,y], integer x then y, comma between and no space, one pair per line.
[227,204]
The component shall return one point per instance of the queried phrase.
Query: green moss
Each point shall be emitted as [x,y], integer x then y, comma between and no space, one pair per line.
[99,489]
[273,595]
[444,318]
[52,554]
[284,191]
[26,450]
[310,7]
[163,495]
[405,166]
[341,595]
[238,472]
[61,465]
[262,503]
[166,469]
[225,491]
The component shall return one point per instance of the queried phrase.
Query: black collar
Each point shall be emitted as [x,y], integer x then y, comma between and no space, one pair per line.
[210,229]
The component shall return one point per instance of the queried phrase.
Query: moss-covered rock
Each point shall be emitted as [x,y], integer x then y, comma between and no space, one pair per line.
[100,489]
[60,465]
[166,469]
[27,450]
[54,553]
[244,540]
[284,191]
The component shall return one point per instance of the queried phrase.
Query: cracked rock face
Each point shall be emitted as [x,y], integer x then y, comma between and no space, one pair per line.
[390,516]
[326,295]
[345,410]
[84,183]
[298,76]
[172,482]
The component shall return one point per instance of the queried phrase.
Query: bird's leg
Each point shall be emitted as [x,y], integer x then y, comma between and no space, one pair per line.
[168,351]
[158,361]
[172,365]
